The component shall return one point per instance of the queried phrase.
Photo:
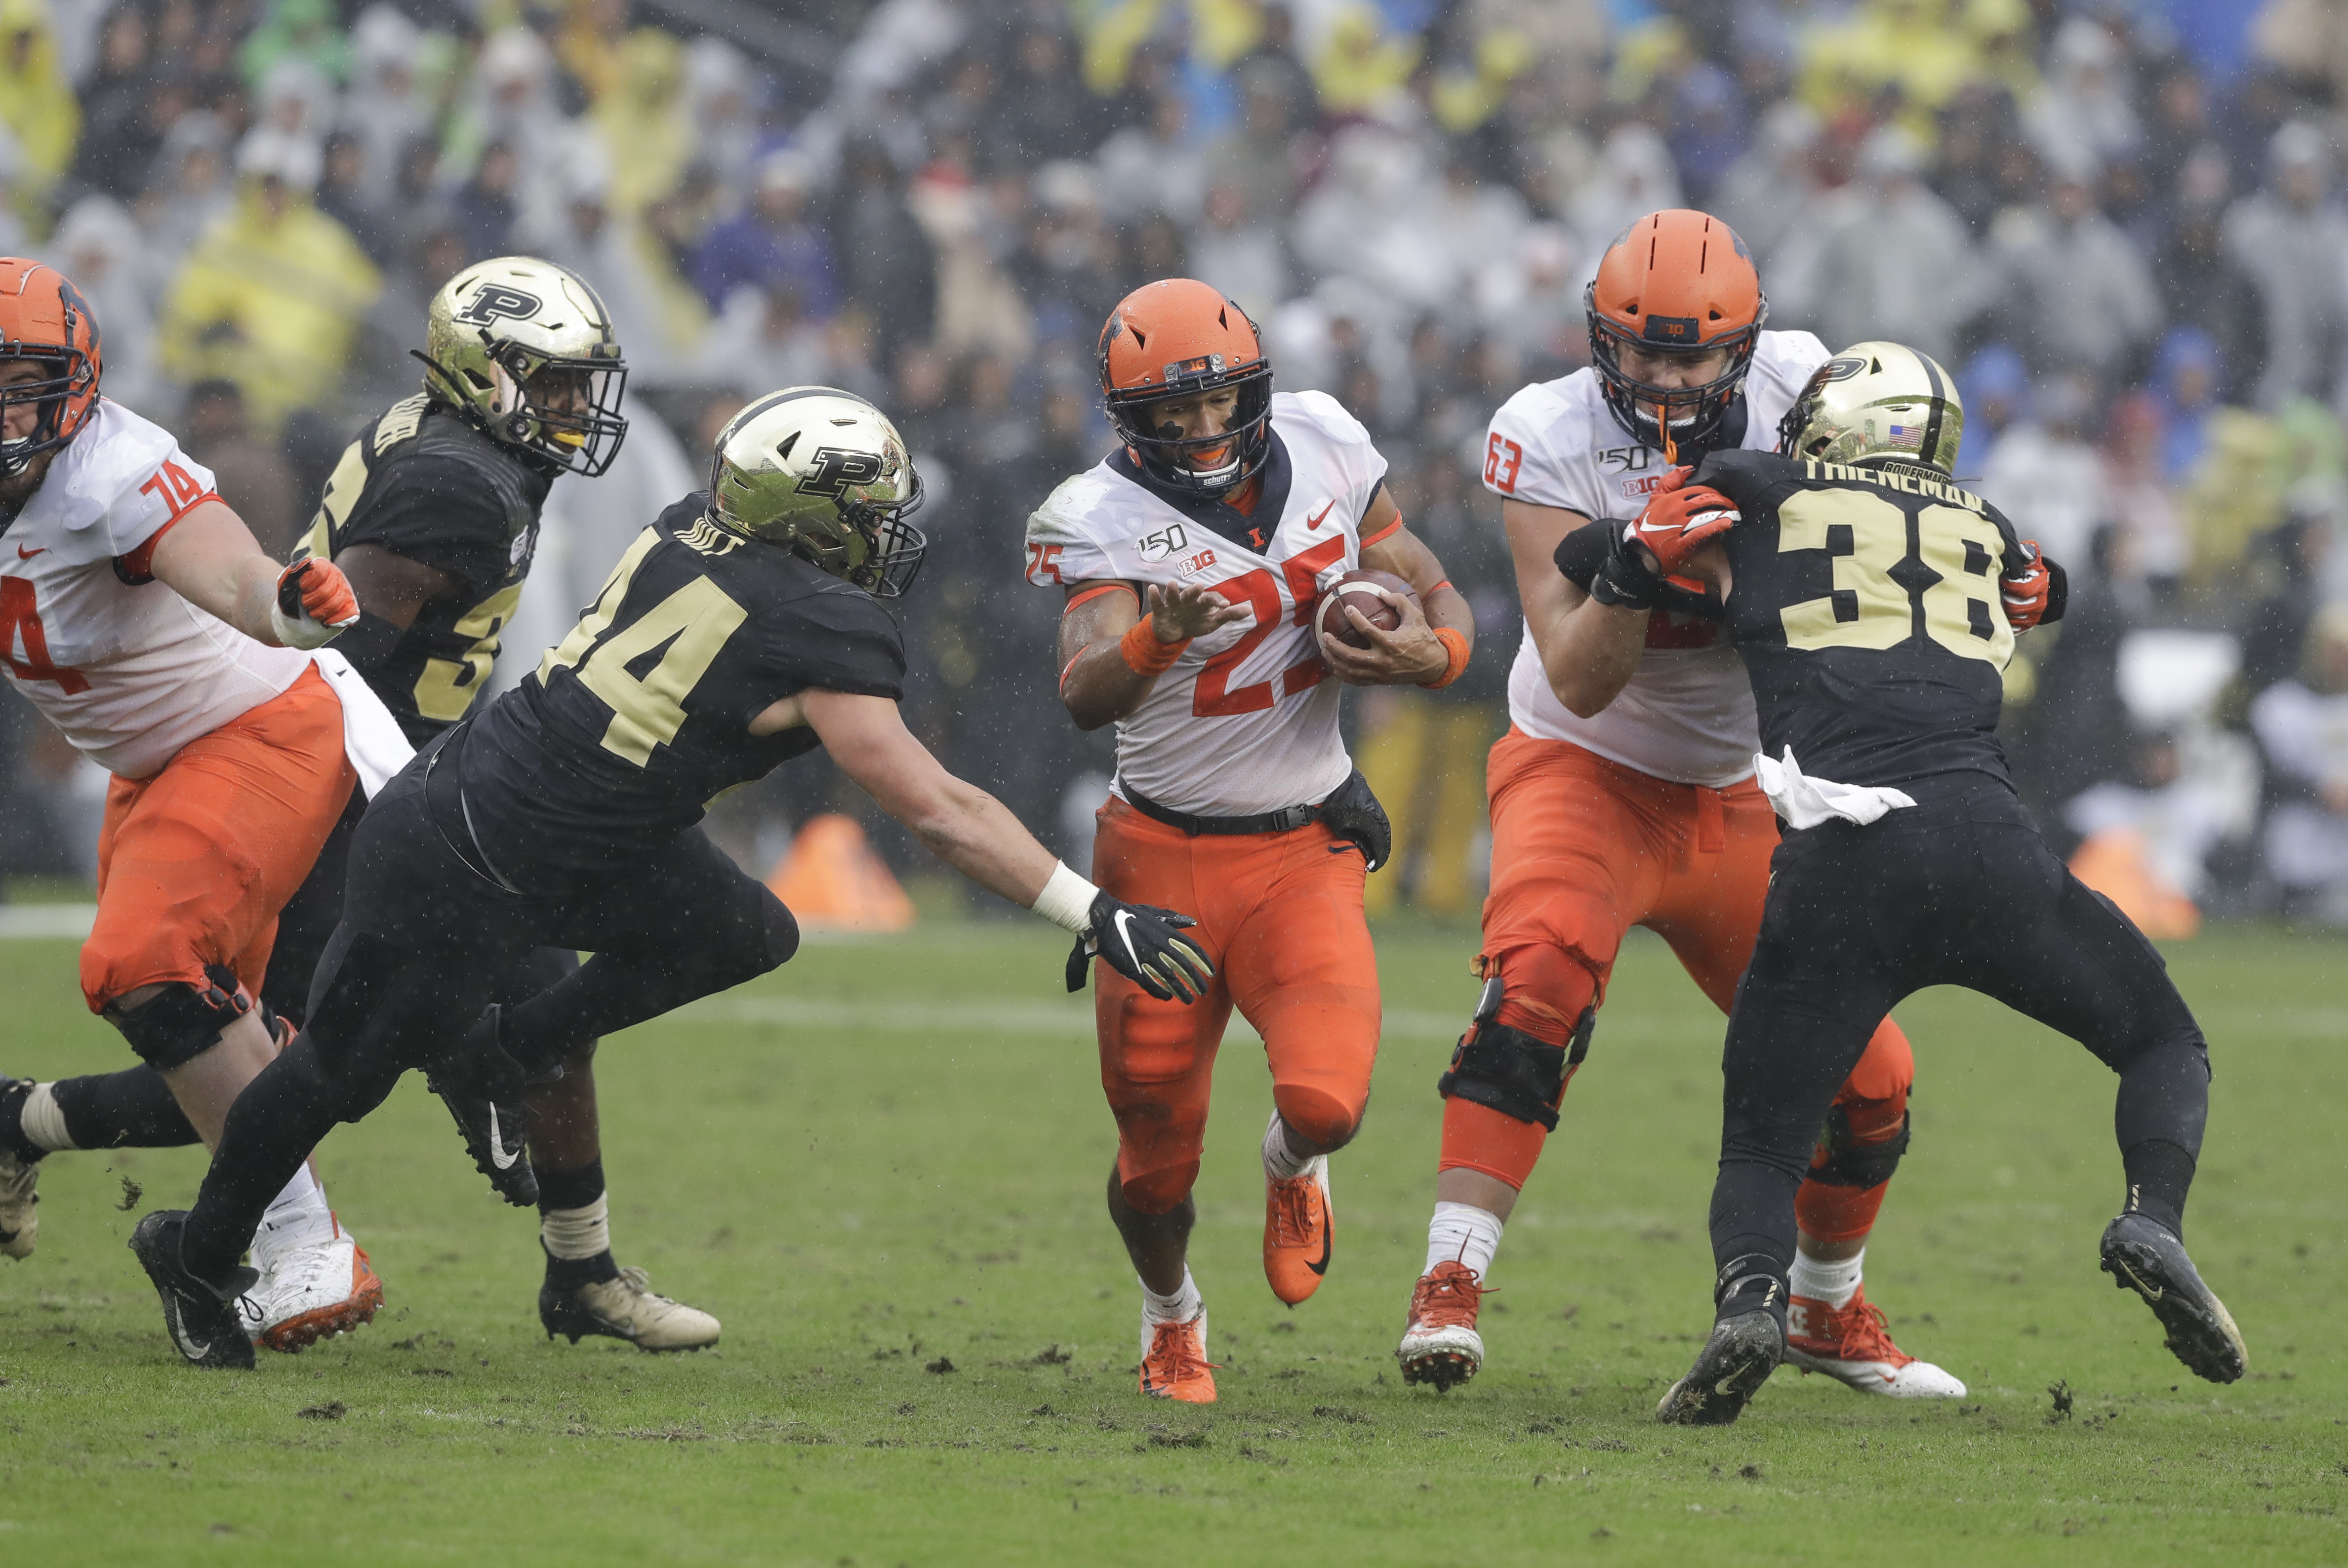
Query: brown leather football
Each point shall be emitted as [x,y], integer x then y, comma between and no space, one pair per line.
[1359,590]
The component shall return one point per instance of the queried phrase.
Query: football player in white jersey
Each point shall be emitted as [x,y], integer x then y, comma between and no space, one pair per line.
[1194,560]
[144,622]
[1623,793]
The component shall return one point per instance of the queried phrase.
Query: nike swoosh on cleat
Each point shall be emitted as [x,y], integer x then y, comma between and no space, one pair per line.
[2149,1292]
[1328,1238]
[498,1155]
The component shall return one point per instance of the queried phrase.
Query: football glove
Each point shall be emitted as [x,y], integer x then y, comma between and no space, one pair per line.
[1138,940]
[314,603]
[1679,521]
[2027,591]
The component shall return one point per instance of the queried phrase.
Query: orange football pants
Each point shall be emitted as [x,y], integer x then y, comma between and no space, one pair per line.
[1584,849]
[195,860]
[1280,916]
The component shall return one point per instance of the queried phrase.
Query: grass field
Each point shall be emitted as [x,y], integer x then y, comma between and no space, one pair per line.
[882,1168]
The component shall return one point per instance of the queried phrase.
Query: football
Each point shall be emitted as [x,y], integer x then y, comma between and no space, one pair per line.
[1359,589]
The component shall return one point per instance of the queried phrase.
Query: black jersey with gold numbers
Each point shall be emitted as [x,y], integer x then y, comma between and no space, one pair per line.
[1865,601]
[424,482]
[641,716]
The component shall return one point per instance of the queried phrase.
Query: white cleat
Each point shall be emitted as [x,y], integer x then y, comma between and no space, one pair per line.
[20,1218]
[625,1308]
[311,1293]
[1852,1345]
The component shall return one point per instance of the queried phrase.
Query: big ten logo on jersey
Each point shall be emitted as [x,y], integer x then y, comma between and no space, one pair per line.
[1502,459]
[175,487]
[1637,469]
[1289,594]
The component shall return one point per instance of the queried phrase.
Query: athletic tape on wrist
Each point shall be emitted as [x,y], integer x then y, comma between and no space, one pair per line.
[1066,899]
[1455,643]
[1144,654]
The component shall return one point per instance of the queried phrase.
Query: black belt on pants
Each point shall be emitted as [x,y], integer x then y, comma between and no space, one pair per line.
[1288,819]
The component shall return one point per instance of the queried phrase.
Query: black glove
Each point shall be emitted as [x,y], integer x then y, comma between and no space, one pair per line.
[1626,581]
[1138,942]
[1351,812]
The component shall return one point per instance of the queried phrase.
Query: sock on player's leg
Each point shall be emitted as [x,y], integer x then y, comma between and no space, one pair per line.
[1832,1282]
[1463,1233]
[297,1217]
[2159,1176]
[132,1108]
[1477,1138]
[1182,1306]
[574,1226]
[1281,1162]
[39,1126]
[1834,1213]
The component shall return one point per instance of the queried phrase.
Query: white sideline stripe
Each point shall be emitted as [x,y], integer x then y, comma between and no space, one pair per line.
[982,1018]
[46,919]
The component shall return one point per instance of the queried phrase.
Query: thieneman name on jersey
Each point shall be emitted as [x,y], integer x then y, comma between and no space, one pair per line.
[642,715]
[1865,603]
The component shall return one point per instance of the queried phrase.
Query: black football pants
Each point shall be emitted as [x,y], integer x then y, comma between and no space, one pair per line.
[423,943]
[1959,890]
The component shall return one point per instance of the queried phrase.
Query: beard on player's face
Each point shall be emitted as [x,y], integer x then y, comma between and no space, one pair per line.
[17,489]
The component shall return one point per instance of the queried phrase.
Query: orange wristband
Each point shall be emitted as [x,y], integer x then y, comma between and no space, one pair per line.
[1144,654]
[1455,642]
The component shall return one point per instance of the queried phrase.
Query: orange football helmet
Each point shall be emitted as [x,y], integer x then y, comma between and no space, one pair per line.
[44,317]
[1675,281]
[1176,338]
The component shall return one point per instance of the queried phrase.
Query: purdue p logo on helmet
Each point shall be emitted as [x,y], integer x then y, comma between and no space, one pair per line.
[1877,400]
[526,349]
[823,473]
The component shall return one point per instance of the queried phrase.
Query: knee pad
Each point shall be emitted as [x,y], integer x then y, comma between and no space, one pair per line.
[180,1024]
[1311,1114]
[1843,1160]
[1512,1072]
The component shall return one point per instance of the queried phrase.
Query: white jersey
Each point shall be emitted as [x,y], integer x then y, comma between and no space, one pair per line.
[126,669]
[1687,714]
[1246,721]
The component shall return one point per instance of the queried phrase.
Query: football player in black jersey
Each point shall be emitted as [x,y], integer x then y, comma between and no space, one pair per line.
[1867,593]
[743,629]
[432,513]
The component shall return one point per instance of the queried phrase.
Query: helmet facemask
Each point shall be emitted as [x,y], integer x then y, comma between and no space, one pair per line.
[1668,418]
[69,372]
[564,410]
[893,548]
[1238,452]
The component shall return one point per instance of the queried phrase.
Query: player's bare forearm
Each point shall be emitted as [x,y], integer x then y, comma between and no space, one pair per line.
[1588,650]
[1099,684]
[957,821]
[1410,654]
[210,558]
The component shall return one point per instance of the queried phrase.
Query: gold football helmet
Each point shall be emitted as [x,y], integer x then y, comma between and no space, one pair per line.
[824,473]
[526,349]
[1877,401]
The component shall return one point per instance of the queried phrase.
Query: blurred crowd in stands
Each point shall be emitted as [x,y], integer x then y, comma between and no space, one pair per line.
[2120,223]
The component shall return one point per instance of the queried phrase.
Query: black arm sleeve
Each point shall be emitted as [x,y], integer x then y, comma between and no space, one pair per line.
[1581,552]
[838,639]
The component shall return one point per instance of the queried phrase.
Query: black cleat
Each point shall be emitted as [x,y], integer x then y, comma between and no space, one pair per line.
[485,1091]
[206,1323]
[2142,1256]
[1730,1369]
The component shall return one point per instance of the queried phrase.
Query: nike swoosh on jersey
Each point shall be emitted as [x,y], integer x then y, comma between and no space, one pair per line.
[1315,520]
[25,554]
[498,1152]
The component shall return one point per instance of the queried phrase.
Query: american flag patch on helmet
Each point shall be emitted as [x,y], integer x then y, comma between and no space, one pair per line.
[1905,436]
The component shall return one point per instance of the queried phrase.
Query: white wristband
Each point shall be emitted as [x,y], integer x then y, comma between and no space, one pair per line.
[1066,899]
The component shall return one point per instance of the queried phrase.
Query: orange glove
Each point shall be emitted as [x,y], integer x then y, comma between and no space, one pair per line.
[1678,521]
[2027,591]
[314,603]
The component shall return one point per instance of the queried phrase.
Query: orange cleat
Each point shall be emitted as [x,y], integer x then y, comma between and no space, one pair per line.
[314,1293]
[1852,1345]
[1174,1363]
[1441,1346]
[1299,1228]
